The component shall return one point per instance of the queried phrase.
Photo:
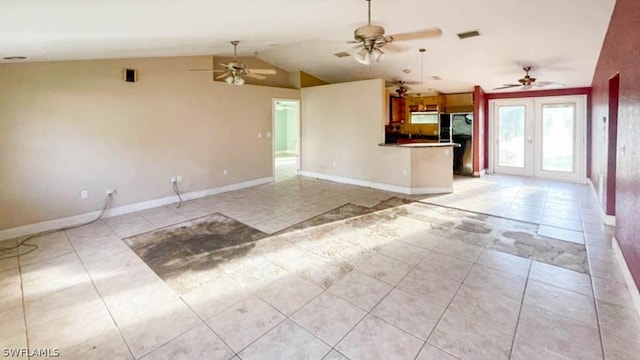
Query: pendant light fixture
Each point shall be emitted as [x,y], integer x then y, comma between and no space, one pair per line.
[422,50]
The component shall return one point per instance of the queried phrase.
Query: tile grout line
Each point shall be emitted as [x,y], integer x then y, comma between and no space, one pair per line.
[515,330]
[24,305]
[100,295]
[204,322]
[426,341]
[595,305]
[372,308]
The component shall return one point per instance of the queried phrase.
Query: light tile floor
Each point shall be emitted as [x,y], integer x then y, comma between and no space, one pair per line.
[383,286]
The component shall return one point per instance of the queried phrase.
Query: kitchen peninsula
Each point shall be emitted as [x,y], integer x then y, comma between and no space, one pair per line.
[430,166]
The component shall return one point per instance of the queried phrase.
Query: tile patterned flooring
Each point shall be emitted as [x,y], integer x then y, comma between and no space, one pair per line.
[415,281]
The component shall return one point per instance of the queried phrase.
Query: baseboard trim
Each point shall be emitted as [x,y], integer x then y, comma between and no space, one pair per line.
[626,273]
[15,232]
[600,210]
[610,220]
[379,186]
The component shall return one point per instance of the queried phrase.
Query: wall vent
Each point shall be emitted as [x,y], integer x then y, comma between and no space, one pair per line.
[468,34]
[342,54]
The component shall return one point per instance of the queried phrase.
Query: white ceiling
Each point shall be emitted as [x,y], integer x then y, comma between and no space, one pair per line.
[561,39]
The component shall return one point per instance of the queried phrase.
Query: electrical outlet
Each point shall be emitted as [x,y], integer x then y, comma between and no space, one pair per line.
[84,194]
[334,163]
[404,173]
[111,190]
[259,135]
[225,172]
[179,178]
[173,179]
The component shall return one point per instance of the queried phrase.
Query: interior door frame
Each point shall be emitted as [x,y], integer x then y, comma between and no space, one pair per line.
[537,102]
[273,132]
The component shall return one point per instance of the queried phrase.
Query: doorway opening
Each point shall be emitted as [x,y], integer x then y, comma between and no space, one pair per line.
[539,137]
[612,147]
[286,138]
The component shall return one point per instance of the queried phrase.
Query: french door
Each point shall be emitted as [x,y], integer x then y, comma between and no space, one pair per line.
[539,137]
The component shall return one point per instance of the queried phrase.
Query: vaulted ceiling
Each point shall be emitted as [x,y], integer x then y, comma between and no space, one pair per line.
[561,39]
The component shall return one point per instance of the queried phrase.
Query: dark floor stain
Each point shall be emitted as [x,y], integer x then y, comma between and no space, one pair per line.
[205,243]
[474,227]
[555,252]
[194,245]
[348,211]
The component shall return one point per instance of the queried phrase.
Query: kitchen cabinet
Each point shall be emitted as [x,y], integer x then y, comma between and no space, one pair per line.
[426,103]
[462,102]
[398,110]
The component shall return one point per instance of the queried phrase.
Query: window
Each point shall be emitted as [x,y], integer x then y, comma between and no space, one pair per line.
[424,118]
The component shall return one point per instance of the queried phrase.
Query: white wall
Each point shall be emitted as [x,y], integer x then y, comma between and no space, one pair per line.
[72,126]
[344,123]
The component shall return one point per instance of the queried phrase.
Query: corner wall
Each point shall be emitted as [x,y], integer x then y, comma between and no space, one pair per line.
[342,125]
[72,126]
[620,54]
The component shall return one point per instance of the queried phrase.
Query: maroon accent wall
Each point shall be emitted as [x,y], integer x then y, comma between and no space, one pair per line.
[479,130]
[540,93]
[621,54]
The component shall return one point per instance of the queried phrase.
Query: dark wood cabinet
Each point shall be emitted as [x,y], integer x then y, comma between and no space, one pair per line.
[398,110]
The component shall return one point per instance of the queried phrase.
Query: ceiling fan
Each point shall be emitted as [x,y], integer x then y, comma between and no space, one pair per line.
[528,82]
[371,38]
[236,70]
[402,89]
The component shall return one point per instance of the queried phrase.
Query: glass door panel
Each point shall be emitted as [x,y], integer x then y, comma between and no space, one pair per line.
[558,137]
[511,136]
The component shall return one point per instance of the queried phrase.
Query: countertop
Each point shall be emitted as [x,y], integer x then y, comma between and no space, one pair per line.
[421,145]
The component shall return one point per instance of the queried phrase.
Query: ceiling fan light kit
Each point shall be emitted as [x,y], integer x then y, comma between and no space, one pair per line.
[368,57]
[235,70]
[372,38]
[234,80]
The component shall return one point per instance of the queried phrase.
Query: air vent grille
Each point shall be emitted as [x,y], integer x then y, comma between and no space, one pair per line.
[342,54]
[468,34]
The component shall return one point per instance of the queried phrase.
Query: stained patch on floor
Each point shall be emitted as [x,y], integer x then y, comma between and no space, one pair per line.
[187,253]
[193,245]
[345,212]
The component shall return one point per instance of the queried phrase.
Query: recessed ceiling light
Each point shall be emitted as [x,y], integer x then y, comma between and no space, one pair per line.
[406,71]
[15,58]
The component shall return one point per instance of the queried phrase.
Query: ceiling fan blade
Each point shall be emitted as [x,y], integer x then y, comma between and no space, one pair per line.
[393,48]
[422,34]
[223,75]
[507,86]
[262,71]
[256,76]
[207,70]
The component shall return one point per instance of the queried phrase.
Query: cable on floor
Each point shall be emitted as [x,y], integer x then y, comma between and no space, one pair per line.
[23,242]
[177,191]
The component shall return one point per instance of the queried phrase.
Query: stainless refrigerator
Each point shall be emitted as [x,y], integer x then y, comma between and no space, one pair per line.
[462,133]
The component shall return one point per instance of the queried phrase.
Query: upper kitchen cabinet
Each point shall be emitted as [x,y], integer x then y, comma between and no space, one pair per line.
[458,103]
[398,111]
[434,103]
